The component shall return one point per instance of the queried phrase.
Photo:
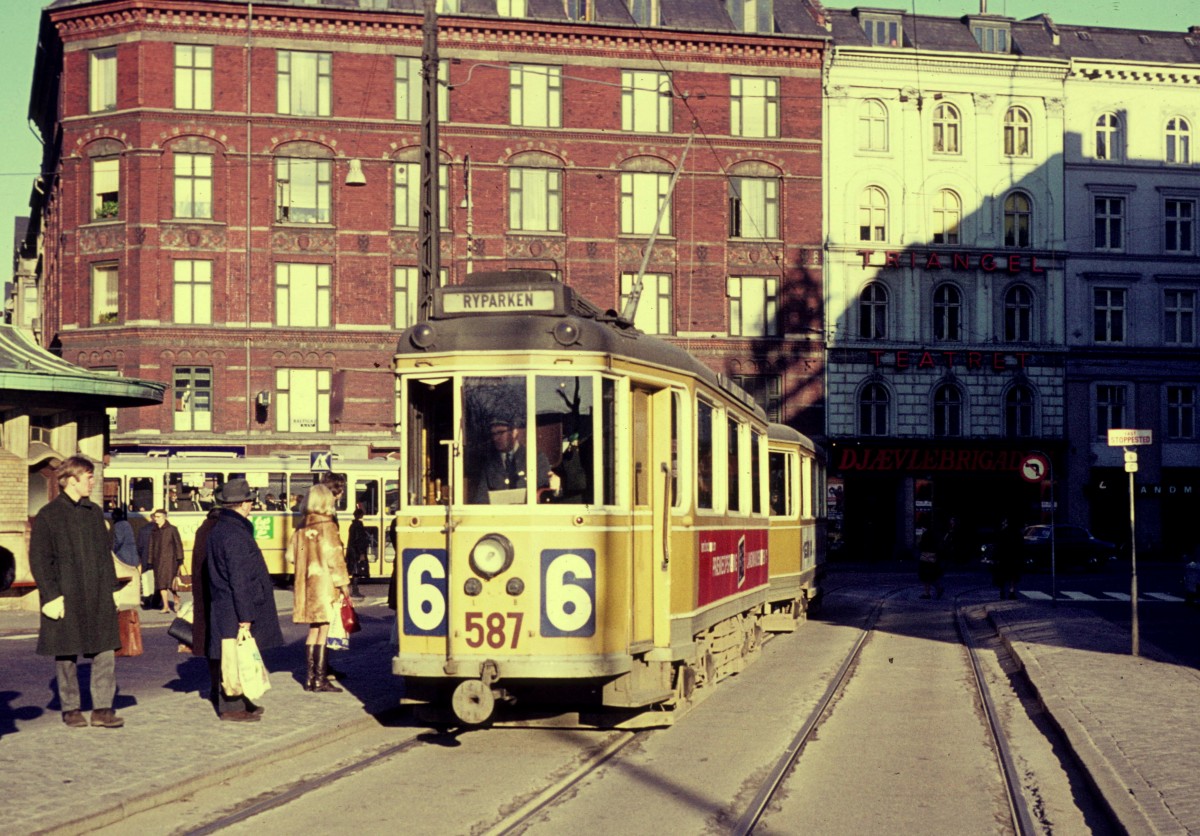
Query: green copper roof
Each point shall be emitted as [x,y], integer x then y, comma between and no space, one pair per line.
[31,376]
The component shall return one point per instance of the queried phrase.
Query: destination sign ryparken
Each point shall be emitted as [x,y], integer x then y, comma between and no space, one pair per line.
[497,301]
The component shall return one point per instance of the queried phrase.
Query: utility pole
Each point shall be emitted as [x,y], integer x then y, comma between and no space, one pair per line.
[429,228]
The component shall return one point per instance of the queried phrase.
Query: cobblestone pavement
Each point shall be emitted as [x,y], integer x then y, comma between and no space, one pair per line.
[1131,721]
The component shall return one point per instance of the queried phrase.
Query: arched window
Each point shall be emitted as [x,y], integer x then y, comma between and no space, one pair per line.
[1018,218]
[1109,142]
[872,312]
[947,411]
[873,403]
[1179,141]
[872,126]
[872,215]
[1018,412]
[1016,133]
[947,313]
[1018,314]
[947,215]
[947,127]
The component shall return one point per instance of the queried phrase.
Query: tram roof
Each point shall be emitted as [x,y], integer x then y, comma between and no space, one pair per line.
[531,310]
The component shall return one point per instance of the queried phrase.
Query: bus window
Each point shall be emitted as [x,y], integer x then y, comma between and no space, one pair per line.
[430,423]
[141,494]
[272,492]
[366,496]
[189,491]
[112,494]
[391,496]
[565,435]
[302,482]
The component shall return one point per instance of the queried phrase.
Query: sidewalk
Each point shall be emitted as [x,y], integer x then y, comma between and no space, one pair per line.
[1131,721]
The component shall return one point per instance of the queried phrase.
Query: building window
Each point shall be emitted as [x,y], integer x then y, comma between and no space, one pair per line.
[1018,314]
[1110,408]
[193,399]
[645,102]
[193,77]
[1179,141]
[104,294]
[643,12]
[302,295]
[753,106]
[193,292]
[302,400]
[947,215]
[991,38]
[102,80]
[947,411]
[947,313]
[406,297]
[106,188]
[1108,137]
[753,207]
[872,312]
[409,89]
[1177,226]
[653,314]
[1016,133]
[302,190]
[1108,315]
[1018,412]
[872,126]
[510,8]
[873,410]
[947,127]
[304,80]
[1181,413]
[1018,218]
[535,96]
[535,200]
[193,185]
[753,306]
[767,391]
[642,193]
[882,31]
[1109,223]
[1179,313]
[752,15]
[872,215]
[408,195]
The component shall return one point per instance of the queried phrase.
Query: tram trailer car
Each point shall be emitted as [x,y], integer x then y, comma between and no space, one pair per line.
[626,558]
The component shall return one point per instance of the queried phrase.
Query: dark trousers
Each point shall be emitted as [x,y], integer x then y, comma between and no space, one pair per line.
[104,680]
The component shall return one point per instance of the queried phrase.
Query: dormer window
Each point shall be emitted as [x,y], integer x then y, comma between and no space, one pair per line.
[643,12]
[578,9]
[882,30]
[991,37]
[752,15]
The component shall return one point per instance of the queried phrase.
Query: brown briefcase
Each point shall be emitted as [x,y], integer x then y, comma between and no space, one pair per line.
[129,626]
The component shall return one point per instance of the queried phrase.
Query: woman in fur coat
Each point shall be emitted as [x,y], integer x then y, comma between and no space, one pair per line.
[320,582]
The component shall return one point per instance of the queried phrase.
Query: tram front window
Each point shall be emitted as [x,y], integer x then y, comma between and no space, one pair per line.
[498,459]
[565,437]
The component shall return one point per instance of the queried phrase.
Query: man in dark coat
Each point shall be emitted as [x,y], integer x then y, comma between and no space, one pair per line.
[241,599]
[77,584]
[200,602]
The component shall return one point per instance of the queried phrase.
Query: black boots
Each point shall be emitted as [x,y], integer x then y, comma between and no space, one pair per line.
[315,678]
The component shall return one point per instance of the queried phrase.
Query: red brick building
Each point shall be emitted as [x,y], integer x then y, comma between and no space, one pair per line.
[198,229]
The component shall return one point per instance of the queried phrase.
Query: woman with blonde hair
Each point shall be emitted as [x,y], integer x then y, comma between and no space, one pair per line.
[320,583]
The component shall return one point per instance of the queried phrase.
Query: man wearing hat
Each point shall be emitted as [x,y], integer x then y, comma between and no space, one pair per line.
[504,463]
[240,596]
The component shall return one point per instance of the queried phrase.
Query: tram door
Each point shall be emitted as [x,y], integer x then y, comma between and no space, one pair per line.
[649,443]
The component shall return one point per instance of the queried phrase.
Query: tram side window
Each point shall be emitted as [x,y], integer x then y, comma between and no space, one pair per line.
[500,467]
[755,473]
[608,401]
[189,491]
[366,496]
[302,483]
[566,437]
[779,483]
[141,494]
[430,422]
[704,455]
[734,467]
[272,494]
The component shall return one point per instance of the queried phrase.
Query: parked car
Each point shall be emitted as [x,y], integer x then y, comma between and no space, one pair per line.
[1074,548]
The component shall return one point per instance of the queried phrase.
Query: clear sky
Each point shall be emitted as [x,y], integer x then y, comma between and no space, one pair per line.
[20,151]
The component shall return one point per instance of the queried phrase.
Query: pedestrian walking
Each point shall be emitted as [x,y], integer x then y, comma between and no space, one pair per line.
[320,582]
[240,595]
[1006,570]
[166,556]
[77,586]
[357,551]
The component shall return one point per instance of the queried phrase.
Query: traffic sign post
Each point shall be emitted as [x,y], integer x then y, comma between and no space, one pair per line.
[1130,439]
[1036,467]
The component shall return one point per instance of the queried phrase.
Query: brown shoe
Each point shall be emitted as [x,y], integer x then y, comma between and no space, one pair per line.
[74,719]
[240,716]
[107,718]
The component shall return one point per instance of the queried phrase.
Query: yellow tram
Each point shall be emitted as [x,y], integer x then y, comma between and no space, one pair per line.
[586,513]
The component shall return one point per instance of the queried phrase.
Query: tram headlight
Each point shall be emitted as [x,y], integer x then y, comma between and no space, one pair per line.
[491,556]
[566,333]
[472,586]
[514,587]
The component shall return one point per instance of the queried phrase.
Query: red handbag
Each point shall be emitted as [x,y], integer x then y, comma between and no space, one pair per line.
[129,627]
[349,616]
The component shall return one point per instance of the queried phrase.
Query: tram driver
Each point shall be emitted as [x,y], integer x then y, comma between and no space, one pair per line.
[500,478]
